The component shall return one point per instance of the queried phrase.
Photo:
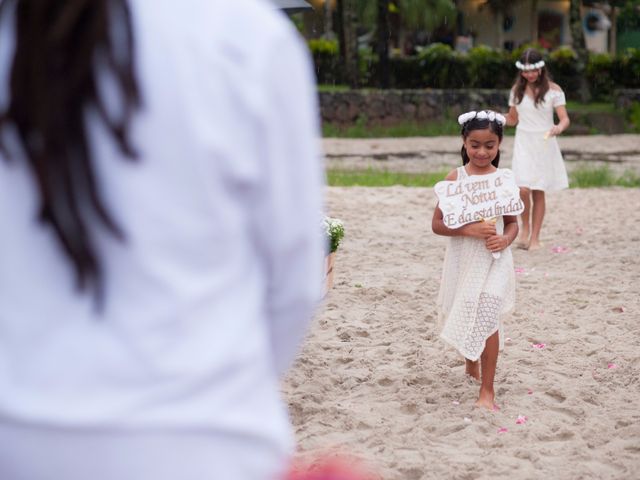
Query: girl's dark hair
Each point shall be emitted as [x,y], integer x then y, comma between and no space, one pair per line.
[53,86]
[529,56]
[481,124]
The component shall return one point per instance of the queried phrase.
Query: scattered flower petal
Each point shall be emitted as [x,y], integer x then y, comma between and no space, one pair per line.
[519,270]
[539,346]
[560,249]
[521,420]
[529,392]
[508,339]
[467,419]
[612,365]
[620,309]
[503,430]
[456,402]
[579,231]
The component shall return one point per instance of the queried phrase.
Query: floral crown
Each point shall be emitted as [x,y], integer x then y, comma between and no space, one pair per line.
[529,66]
[482,115]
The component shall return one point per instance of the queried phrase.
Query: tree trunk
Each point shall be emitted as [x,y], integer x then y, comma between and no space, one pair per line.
[349,42]
[579,46]
[534,21]
[499,16]
[382,43]
[613,32]
[328,20]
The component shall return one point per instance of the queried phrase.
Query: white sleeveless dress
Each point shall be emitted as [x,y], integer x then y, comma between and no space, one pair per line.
[537,163]
[476,291]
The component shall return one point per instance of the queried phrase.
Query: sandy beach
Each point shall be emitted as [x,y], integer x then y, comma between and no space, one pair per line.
[374,380]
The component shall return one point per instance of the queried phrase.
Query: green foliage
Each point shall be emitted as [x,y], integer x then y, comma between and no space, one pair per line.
[489,68]
[627,68]
[565,70]
[427,14]
[439,66]
[589,177]
[326,58]
[629,16]
[443,68]
[401,130]
[517,52]
[382,178]
[334,229]
[599,76]
[582,177]
[633,117]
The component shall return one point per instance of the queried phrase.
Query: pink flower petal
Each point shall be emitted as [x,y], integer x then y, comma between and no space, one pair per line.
[455,402]
[502,430]
[519,270]
[560,249]
[539,346]
[620,309]
[612,365]
[579,230]
[521,420]
[529,392]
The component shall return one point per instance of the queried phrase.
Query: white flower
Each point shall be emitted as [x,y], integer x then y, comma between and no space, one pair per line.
[529,66]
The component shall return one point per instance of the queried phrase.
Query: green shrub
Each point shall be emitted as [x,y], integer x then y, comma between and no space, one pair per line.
[633,117]
[627,68]
[599,75]
[489,68]
[444,68]
[326,59]
[564,69]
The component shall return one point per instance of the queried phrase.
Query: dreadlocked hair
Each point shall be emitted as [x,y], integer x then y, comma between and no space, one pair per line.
[53,85]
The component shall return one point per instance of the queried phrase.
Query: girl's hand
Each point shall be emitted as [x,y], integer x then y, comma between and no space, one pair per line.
[497,243]
[555,130]
[481,230]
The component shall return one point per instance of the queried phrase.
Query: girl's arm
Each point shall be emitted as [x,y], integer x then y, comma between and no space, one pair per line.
[496,243]
[481,230]
[511,117]
[563,122]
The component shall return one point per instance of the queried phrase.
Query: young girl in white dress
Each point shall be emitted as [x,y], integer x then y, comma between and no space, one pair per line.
[537,163]
[477,290]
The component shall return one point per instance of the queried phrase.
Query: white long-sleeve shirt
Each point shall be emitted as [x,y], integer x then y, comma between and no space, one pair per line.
[209,297]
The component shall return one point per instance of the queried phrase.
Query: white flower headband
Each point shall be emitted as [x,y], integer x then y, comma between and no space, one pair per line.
[482,115]
[529,66]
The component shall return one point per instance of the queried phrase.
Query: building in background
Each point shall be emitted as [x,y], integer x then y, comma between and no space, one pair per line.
[543,21]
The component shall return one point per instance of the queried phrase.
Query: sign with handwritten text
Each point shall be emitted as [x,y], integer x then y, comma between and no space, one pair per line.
[479,197]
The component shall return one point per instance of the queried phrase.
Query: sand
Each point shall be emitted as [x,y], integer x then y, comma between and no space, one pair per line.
[373,378]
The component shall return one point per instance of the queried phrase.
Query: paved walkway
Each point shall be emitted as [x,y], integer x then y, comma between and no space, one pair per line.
[620,152]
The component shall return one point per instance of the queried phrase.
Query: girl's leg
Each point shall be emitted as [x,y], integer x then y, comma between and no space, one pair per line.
[537,217]
[472,368]
[523,237]
[488,363]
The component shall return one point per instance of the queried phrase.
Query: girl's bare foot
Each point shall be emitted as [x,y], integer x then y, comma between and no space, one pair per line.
[486,400]
[535,245]
[523,240]
[472,369]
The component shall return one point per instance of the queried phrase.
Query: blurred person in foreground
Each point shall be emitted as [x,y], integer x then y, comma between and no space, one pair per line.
[160,254]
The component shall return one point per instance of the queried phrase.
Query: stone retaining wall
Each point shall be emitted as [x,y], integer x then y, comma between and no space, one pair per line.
[389,107]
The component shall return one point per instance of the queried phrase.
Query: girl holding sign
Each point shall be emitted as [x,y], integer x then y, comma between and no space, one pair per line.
[478,281]
[537,161]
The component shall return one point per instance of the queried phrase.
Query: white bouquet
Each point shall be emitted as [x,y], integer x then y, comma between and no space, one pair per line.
[334,229]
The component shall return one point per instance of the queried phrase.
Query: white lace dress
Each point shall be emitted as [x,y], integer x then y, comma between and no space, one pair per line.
[476,291]
[537,162]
